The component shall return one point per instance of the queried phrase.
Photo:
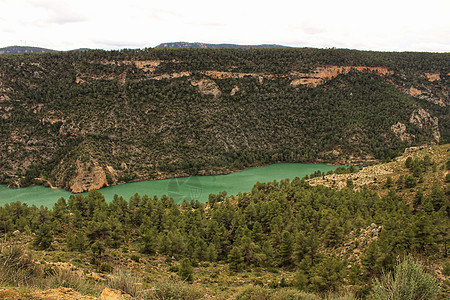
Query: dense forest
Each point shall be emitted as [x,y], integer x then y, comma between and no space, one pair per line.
[312,239]
[81,120]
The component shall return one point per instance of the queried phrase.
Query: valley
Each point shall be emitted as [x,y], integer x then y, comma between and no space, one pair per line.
[223,173]
[285,239]
[194,188]
[82,120]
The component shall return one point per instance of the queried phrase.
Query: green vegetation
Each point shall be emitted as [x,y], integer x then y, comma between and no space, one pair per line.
[282,240]
[65,112]
[69,119]
[409,281]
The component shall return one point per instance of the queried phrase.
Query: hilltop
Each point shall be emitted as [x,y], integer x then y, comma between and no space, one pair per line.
[29,49]
[24,49]
[206,45]
[82,120]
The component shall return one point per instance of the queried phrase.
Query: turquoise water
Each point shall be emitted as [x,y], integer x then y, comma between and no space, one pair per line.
[187,188]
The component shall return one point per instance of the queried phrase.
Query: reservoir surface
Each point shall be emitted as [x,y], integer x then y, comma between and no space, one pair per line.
[186,188]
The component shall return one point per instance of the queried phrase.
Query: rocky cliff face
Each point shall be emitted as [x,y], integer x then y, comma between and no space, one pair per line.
[322,74]
[422,119]
[399,130]
[88,177]
[207,87]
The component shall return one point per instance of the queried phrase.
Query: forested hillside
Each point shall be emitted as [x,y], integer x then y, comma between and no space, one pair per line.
[84,120]
[282,240]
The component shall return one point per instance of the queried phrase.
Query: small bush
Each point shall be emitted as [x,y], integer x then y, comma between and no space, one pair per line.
[172,289]
[254,293]
[135,258]
[67,278]
[410,182]
[273,284]
[17,267]
[185,270]
[409,281]
[174,268]
[447,178]
[104,267]
[340,296]
[446,268]
[126,283]
[293,294]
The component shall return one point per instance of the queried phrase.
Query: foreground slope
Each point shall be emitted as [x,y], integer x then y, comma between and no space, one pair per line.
[283,240]
[84,120]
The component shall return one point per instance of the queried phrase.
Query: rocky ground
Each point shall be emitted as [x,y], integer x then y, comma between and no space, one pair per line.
[374,176]
[62,293]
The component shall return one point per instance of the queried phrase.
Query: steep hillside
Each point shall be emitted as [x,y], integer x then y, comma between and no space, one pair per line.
[396,174]
[83,120]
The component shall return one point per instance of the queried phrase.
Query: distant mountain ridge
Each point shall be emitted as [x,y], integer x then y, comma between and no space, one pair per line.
[24,49]
[205,45]
[29,49]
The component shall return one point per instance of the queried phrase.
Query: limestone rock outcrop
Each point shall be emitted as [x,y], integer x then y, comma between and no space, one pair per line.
[207,86]
[62,293]
[399,130]
[322,74]
[422,119]
[111,294]
[433,76]
[89,176]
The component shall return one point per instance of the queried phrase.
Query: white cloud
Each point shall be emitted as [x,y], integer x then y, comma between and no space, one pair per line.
[381,25]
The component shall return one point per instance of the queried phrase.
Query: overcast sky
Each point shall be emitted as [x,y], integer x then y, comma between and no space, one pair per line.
[391,25]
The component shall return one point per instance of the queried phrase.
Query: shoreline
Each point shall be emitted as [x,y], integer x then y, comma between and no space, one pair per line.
[178,188]
[143,179]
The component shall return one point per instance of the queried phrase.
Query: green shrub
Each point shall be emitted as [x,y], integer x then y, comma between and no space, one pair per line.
[340,296]
[273,284]
[185,270]
[135,258]
[69,279]
[43,238]
[446,268]
[409,281]
[350,183]
[17,267]
[126,283]
[447,178]
[254,293]
[293,294]
[104,267]
[410,182]
[173,289]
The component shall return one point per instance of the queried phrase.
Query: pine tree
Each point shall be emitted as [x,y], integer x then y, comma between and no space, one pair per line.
[186,270]
[200,250]
[148,241]
[44,237]
[418,198]
[235,259]
[211,253]
[286,249]
[164,245]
